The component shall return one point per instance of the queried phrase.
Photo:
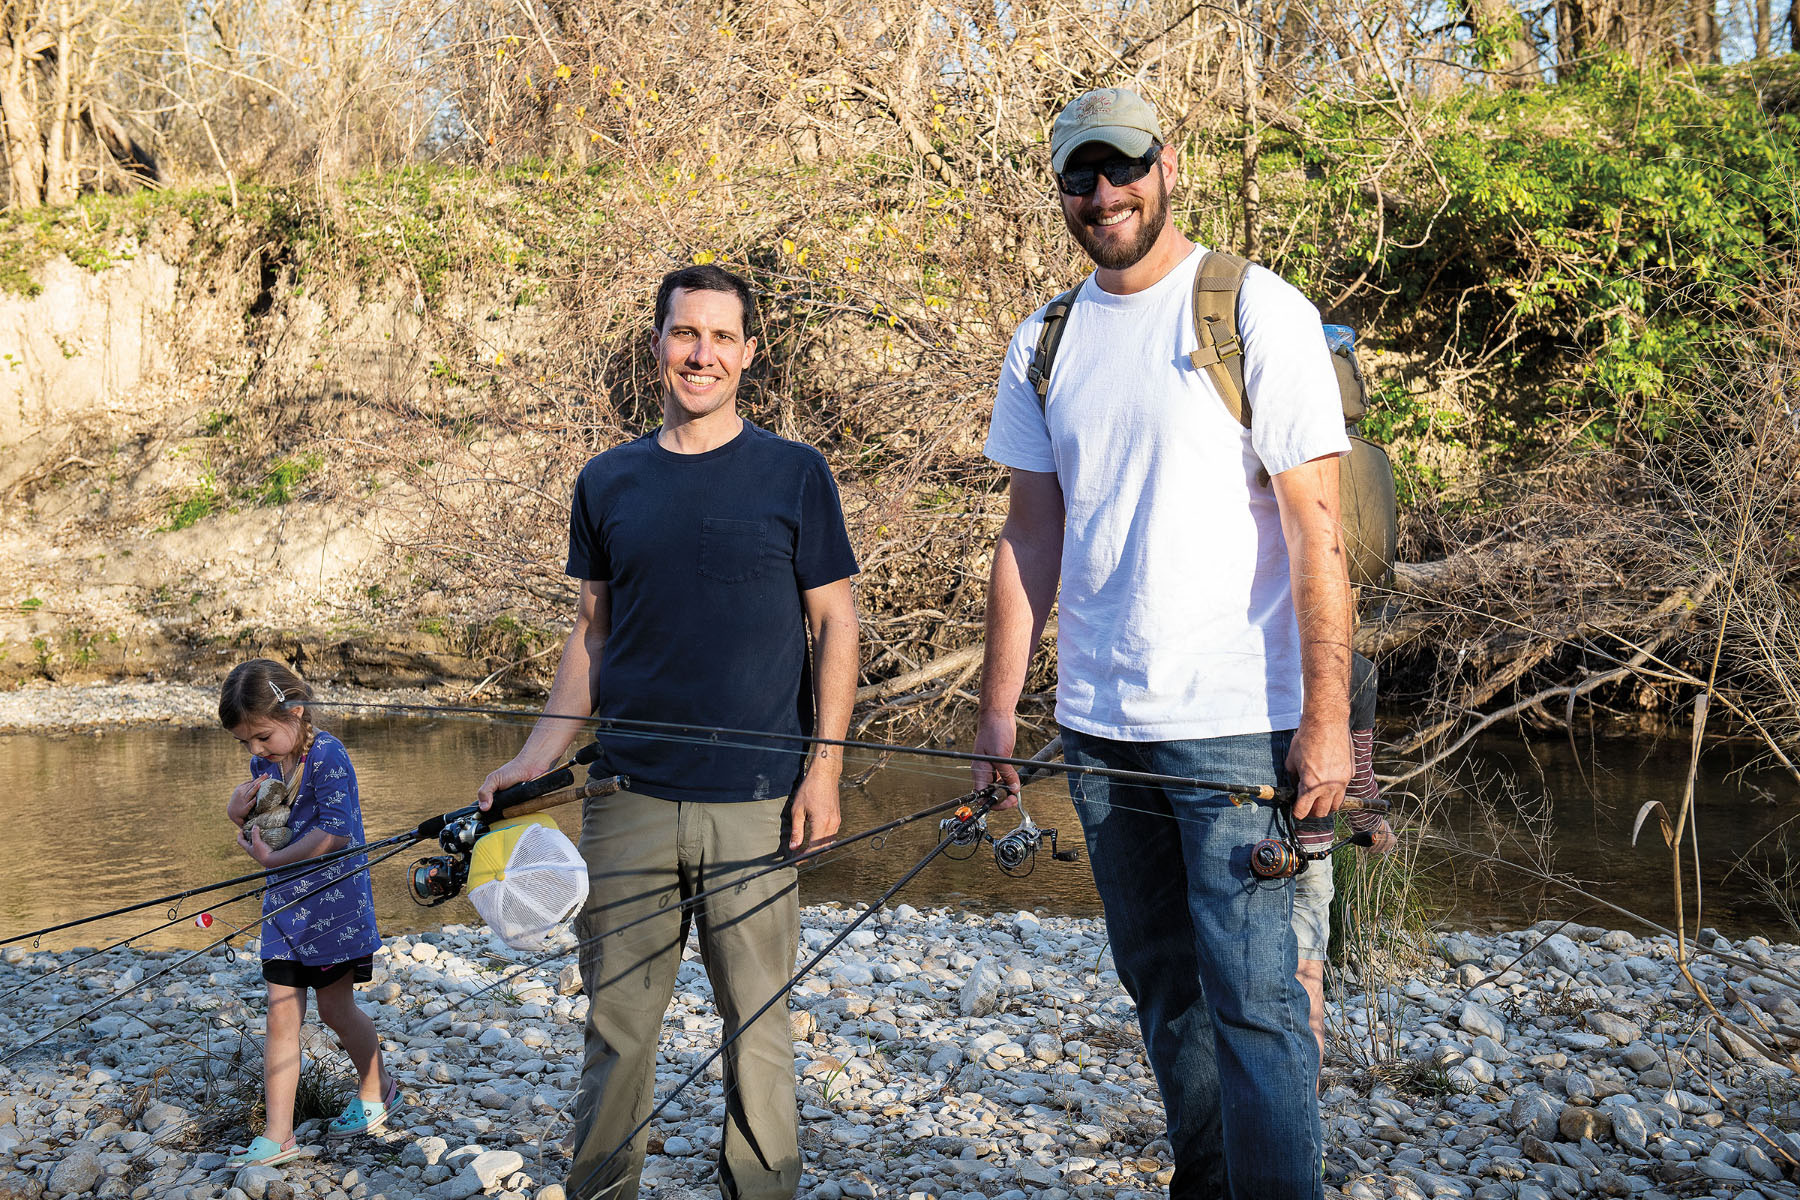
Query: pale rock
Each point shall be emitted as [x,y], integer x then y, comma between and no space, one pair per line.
[981,991]
[492,1166]
[1578,1086]
[1481,1021]
[853,974]
[550,1191]
[1534,1114]
[1489,1050]
[256,1182]
[1754,1160]
[460,1186]
[1740,1047]
[568,983]
[1712,1168]
[945,1058]
[77,1173]
[1620,1031]
[1457,951]
[1558,951]
[1630,1129]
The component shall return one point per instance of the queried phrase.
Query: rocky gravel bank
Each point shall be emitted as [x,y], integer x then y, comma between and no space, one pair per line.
[942,1054]
[54,707]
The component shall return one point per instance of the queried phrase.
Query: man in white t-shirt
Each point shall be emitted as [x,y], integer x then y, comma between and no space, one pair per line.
[1204,632]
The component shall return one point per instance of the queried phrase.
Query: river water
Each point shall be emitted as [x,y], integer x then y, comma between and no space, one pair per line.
[97,822]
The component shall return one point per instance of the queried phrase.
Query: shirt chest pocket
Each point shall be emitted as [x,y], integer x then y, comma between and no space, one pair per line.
[731,551]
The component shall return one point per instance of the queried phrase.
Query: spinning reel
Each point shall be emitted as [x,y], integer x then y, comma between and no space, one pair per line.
[440,877]
[1015,853]
[1281,858]
[443,876]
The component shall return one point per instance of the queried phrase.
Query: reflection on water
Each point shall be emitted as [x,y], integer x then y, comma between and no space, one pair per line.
[100,822]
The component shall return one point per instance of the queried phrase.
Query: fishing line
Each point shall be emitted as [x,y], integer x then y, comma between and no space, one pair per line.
[553,780]
[878,751]
[268,874]
[122,942]
[974,806]
[207,949]
[624,725]
[811,858]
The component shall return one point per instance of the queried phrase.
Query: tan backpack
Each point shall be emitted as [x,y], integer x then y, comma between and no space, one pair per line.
[1365,478]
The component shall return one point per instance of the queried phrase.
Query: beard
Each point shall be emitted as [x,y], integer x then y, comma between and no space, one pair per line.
[1113,255]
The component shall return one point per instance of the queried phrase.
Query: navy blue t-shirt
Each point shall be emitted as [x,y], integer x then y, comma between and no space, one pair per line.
[705,557]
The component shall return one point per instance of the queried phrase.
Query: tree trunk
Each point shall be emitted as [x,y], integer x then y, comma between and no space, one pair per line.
[126,150]
[1251,185]
[1761,32]
[1794,26]
[24,140]
[1704,33]
[59,158]
[1573,35]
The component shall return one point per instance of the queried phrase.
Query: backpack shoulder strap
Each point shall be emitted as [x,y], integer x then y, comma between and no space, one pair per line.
[1056,318]
[1221,350]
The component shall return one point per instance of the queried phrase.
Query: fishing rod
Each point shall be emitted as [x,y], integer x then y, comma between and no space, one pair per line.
[553,780]
[143,933]
[804,861]
[1254,791]
[183,961]
[290,871]
[971,809]
[464,825]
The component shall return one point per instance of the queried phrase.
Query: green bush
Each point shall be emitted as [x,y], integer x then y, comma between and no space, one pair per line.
[1579,244]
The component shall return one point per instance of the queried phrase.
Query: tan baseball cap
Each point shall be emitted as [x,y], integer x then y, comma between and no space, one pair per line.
[1117,116]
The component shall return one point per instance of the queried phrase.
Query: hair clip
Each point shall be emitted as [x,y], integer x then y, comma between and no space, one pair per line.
[280,696]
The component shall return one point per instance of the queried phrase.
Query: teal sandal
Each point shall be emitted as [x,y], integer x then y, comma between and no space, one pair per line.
[363,1116]
[263,1152]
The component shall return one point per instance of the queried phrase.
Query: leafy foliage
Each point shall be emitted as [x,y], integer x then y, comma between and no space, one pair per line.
[1577,244]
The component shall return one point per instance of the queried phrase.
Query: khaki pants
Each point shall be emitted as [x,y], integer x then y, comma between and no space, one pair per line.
[645,856]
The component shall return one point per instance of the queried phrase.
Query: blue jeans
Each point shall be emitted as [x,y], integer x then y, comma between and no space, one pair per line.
[1224,1019]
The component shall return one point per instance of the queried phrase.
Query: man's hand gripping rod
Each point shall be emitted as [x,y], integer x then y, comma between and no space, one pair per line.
[436,879]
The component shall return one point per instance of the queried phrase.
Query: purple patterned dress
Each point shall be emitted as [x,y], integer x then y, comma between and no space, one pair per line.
[332,918]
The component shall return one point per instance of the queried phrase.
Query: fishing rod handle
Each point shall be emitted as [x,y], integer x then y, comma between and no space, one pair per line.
[508,805]
[507,800]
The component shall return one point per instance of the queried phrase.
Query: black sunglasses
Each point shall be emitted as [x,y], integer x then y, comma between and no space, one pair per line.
[1120,171]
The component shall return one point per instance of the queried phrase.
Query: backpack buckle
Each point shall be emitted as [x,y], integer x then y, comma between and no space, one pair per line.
[1214,354]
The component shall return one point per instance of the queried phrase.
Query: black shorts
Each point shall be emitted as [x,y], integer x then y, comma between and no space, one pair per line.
[289,973]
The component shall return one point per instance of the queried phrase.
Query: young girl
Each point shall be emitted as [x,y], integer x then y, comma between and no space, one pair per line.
[326,940]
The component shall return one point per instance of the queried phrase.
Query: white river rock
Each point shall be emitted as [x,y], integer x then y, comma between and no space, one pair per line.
[948,1054]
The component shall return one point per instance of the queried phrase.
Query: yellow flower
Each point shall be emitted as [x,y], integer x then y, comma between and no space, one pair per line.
[704,257]
[787,245]
[563,71]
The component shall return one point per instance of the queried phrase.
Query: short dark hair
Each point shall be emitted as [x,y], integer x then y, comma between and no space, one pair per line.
[705,278]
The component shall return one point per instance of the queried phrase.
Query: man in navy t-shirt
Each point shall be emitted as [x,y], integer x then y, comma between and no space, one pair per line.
[707,551]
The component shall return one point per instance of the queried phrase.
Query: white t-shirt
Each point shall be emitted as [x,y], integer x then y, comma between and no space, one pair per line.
[1177,619]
